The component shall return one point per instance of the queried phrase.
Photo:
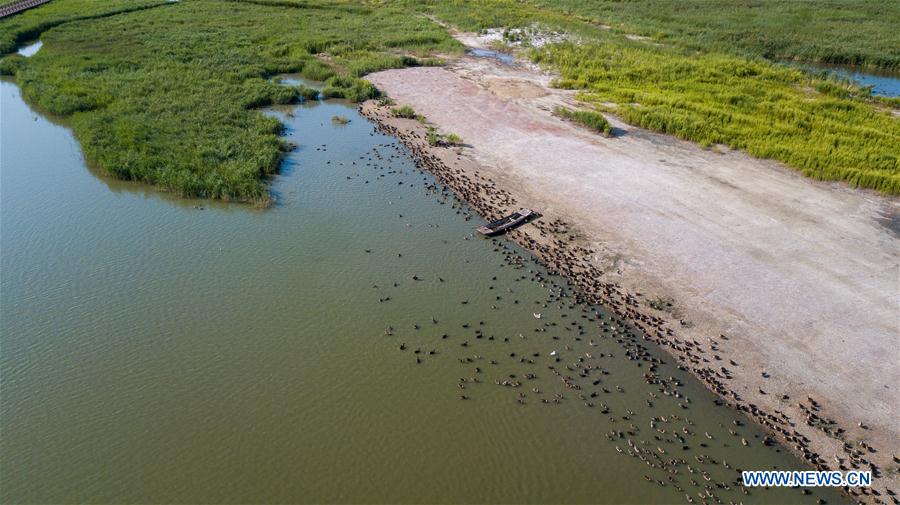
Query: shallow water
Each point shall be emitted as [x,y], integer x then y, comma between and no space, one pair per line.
[882,83]
[159,350]
[505,58]
[29,50]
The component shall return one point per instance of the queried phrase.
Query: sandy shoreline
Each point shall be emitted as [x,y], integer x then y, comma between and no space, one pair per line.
[717,346]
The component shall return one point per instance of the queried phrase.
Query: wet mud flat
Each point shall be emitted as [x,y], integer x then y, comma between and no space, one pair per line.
[561,246]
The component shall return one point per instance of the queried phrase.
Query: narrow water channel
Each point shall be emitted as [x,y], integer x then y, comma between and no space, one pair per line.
[883,83]
[156,349]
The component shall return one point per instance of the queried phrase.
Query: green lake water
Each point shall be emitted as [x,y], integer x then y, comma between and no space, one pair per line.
[160,350]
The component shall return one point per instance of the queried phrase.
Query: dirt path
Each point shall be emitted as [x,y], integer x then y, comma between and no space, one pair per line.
[802,277]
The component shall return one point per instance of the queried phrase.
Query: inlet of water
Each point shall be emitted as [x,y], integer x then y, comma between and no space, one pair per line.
[159,350]
[29,50]
[882,83]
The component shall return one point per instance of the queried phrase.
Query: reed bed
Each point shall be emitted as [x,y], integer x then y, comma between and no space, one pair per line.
[824,128]
[166,93]
[763,109]
[854,32]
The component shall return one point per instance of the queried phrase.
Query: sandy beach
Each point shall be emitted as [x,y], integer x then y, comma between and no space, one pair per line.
[779,292]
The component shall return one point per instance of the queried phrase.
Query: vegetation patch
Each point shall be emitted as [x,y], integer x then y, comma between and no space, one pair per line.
[308,93]
[442,140]
[592,120]
[824,128]
[29,25]
[764,109]
[405,112]
[855,32]
[350,88]
[165,93]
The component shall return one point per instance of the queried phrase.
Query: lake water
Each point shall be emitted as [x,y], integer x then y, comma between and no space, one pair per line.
[158,350]
[882,83]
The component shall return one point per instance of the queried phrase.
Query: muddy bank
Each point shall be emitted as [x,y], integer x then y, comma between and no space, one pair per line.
[754,278]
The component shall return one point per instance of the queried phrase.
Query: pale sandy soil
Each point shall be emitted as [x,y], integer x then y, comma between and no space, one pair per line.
[802,276]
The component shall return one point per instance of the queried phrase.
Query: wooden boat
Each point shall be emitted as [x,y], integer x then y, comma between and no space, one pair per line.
[507,223]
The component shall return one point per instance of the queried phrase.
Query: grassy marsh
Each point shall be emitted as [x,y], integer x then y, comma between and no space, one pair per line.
[165,93]
[817,127]
[826,129]
[859,32]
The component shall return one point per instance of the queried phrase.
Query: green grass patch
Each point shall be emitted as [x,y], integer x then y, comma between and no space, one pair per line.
[405,112]
[166,93]
[856,32]
[826,129]
[592,120]
[29,25]
[350,88]
[308,93]
[438,139]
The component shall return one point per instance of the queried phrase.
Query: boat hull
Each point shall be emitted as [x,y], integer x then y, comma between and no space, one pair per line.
[505,224]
